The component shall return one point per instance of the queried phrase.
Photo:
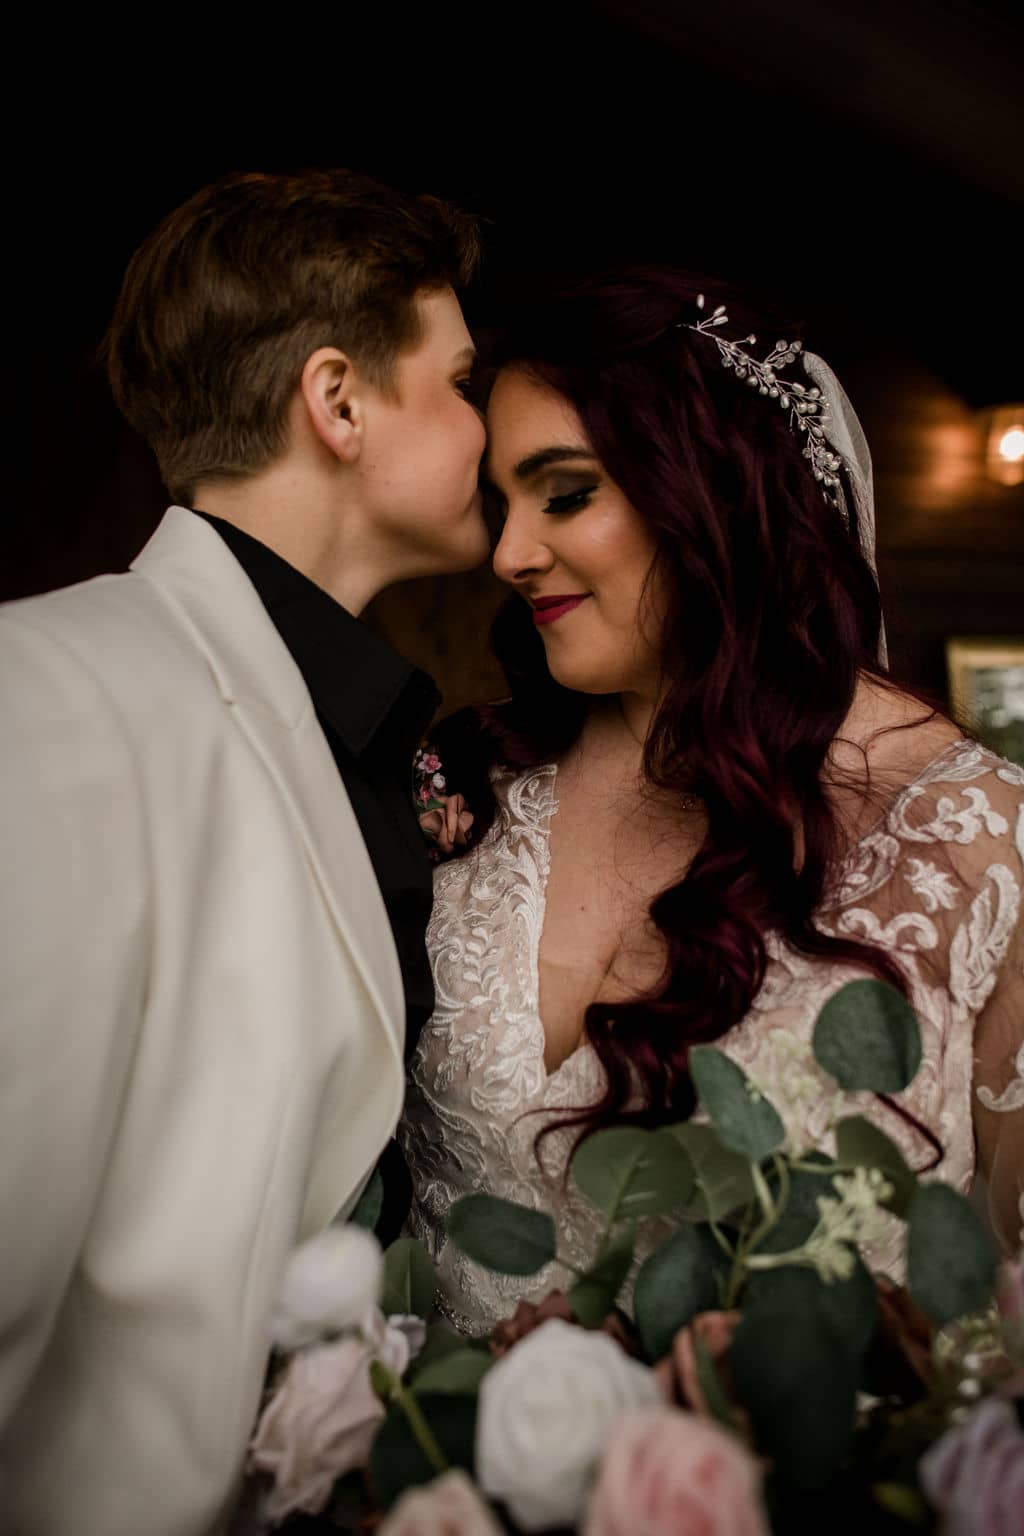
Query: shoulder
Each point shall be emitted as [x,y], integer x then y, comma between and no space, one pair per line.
[111,637]
[964,794]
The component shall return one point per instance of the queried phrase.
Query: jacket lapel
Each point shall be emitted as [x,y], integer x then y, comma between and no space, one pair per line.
[197,574]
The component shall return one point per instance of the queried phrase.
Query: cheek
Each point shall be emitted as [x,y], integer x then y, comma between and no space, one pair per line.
[618,553]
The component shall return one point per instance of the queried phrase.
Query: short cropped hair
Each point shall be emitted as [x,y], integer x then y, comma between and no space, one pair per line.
[226,300]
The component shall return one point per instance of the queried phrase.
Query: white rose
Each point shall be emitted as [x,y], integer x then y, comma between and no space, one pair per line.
[546,1411]
[330,1282]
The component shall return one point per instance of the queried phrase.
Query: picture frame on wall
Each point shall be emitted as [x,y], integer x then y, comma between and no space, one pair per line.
[986,690]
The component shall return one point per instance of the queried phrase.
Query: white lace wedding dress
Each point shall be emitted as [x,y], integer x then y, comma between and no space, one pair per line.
[937,882]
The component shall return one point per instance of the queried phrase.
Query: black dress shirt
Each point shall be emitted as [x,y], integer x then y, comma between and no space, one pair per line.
[373,707]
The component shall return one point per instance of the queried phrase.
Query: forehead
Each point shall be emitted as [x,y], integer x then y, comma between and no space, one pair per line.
[522,418]
[444,330]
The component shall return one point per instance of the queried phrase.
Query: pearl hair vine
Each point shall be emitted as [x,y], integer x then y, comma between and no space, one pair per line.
[809,410]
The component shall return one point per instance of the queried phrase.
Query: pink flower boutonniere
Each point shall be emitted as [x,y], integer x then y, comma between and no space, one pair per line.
[445,821]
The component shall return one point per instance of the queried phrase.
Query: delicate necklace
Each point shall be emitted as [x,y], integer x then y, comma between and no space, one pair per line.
[683,800]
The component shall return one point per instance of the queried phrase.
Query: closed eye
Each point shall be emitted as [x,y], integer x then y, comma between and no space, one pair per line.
[470,390]
[571,501]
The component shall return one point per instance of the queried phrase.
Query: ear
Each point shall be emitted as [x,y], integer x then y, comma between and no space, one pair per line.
[333,401]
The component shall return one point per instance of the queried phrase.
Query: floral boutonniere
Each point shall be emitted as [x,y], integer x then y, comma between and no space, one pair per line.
[445,821]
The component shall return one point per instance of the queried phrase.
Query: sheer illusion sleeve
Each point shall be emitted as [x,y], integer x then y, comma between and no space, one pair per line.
[939,883]
[999,1030]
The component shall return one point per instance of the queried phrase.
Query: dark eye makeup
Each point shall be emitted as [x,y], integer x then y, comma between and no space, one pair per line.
[571,501]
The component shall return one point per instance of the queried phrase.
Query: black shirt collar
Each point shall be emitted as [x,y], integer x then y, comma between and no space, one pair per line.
[357,682]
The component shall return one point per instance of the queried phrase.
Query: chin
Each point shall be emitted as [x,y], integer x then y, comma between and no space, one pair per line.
[585,679]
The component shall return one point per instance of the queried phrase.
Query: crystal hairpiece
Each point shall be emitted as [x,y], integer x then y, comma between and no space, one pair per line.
[809,410]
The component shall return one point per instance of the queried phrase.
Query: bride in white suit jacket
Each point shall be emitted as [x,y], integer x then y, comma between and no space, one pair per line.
[202,1006]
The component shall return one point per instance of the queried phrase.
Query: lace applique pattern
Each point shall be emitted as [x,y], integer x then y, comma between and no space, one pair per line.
[479,1092]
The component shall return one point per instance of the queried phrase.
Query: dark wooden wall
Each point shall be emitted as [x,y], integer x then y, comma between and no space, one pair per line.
[860,162]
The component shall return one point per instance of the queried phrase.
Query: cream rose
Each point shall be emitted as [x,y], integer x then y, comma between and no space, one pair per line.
[546,1410]
[449,1506]
[330,1283]
[671,1473]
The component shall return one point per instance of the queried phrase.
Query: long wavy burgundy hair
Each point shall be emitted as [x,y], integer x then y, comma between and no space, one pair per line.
[773,612]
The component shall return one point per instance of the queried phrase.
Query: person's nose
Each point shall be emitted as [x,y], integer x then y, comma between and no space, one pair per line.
[522,551]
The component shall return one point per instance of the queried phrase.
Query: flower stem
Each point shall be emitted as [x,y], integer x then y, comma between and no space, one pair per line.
[420,1428]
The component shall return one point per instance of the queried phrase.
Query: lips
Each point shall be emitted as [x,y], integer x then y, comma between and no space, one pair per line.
[547,609]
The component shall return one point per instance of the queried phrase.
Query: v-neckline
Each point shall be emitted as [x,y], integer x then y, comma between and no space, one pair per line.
[950,749]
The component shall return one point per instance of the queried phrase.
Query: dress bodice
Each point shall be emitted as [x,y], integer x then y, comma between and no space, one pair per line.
[937,882]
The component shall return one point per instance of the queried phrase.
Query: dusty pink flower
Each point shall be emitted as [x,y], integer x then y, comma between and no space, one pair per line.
[430,762]
[671,1473]
[449,1506]
[974,1475]
[319,1424]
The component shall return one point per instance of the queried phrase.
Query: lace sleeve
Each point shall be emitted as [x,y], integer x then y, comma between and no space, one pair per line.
[999,1039]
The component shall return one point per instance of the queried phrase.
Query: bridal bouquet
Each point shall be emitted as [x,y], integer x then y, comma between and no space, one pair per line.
[761,1380]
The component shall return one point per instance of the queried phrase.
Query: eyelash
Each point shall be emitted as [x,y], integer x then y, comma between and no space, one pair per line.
[572,501]
[466,388]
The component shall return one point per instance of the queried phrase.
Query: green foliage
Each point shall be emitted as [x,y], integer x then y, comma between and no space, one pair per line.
[867,1036]
[629,1173]
[370,1203]
[398,1461]
[410,1282]
[677,1281]
[951,1263]
[595,1293]
[723,1179]
[501,1235]
[744,1119]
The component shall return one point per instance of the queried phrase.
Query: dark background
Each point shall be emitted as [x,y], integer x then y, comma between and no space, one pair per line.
[861,164]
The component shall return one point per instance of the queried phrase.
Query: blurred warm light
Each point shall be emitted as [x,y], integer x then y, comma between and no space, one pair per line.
[1005,456]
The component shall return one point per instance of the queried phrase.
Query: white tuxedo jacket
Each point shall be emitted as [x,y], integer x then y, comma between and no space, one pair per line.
[201,1020]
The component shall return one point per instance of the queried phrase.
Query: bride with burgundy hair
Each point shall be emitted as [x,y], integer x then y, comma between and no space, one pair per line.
[704,806]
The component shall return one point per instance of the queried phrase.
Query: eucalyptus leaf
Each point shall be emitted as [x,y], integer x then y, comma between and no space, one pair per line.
[501,1235]
[675,1282]
[628,1172]
[410,1281]
[798,1381]
[724,1182]
[799,1213]
[461,1371]
[861,1143]
[370,1203]
[594,1295]
[867,1036]
[951,1261]
[441,1342]
[742,1116]
[850,1306]
[397,1461]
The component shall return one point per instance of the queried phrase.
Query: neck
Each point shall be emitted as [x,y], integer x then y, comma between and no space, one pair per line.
[637,712]
[303,524]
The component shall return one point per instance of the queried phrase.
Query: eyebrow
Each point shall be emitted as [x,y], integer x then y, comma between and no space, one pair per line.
[545,457]
[467,355]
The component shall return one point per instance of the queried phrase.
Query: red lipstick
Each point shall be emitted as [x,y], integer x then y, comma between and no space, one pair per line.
[547,609]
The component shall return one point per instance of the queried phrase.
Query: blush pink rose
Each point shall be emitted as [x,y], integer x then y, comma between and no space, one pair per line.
[449,1506]
[666,1472]
[319,1424]
[974,1475]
